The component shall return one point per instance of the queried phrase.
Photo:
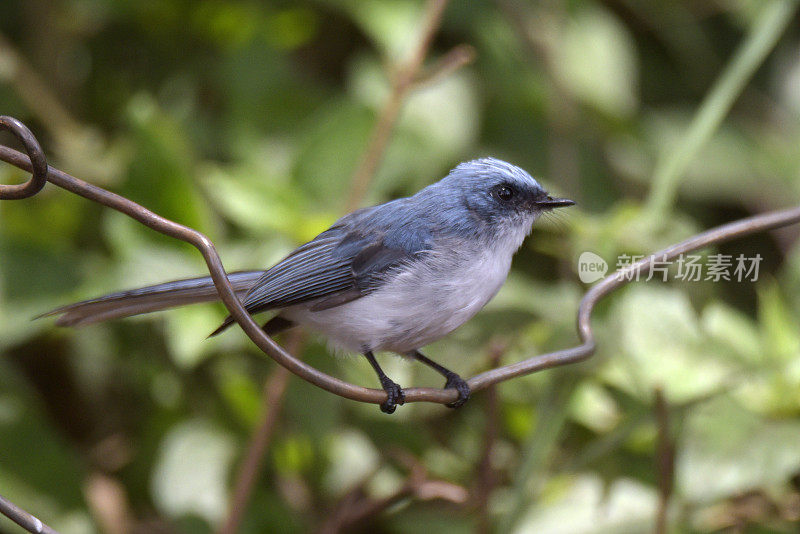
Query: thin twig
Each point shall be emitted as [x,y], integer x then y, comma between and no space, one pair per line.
[36,93]
[454,59]
[540,46]
[486,477]
[274,391]
[665,460]
[720,234]
[23,518]
[401,85]
[357,506]
[108,503]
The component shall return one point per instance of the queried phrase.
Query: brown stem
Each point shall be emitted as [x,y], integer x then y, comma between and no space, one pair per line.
[35,162]
[250,468]
[665,460]
[720,234]
[36,94]
[356,506]
[487,478]
[402,83]
[454,59]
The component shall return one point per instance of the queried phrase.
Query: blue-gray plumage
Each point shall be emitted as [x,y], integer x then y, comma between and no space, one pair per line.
[392,277]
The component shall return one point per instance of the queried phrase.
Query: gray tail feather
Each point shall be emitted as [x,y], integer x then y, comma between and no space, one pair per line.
[149,299]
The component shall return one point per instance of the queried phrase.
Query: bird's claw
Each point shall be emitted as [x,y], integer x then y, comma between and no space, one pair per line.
[394,396]
[459,384]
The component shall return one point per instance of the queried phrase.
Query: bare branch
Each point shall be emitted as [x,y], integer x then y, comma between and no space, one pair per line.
[726,232]
[486,476]
[665,460]
[454,59]
[357,506]
[23,518]
[36,92]
[274,391]
[403,82]
[108,503]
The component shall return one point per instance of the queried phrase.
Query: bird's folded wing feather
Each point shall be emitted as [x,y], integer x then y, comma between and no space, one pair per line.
[338,266]
[331,270]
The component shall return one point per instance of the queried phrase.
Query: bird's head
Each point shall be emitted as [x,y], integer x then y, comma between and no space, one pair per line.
[499,196]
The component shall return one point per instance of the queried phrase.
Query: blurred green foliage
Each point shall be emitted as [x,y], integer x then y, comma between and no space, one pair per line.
[247,119]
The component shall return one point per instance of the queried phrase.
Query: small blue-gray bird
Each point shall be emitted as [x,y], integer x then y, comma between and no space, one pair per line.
[392,277]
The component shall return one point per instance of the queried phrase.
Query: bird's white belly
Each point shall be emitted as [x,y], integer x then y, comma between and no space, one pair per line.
[416,307]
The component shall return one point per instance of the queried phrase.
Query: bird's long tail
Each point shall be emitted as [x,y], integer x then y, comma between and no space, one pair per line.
[149,299]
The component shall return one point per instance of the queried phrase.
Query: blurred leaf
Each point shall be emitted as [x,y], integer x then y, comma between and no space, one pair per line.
[592,406]
[187,334]
[774,386]
[552,302]
[779,334]
[663,346]
[243,396]
[230,24]
[595,45]
[161,178]
[725,450]
[737,162]
[293,455]
[733,329]
[56,475]
[626,229]
[393,25]
[262,205]
[352,457]
[190,475]
[330,151]
[582,505]
[443,115]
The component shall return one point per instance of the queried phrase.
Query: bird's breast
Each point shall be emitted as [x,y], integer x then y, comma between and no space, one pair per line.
[415,306]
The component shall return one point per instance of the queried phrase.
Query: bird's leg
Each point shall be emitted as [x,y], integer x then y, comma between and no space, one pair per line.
[453,380]
[394,393]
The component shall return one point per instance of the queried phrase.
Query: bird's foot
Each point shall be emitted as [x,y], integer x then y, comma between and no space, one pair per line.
[394,396]
[459,384]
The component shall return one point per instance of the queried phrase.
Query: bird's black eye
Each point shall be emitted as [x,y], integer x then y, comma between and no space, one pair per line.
[504,193]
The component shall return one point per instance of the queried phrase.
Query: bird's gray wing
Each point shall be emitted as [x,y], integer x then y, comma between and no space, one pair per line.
[338,266]
[334,267]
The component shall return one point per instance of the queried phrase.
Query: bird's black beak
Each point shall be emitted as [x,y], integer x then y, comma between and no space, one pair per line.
[549,203]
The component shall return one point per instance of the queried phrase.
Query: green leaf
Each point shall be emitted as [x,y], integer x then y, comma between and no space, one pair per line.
[732,329]
[191,472]
[779,332]
[351,458]
[597,61]
[330,150]
[663,346]
[393,25]
[160,177]
[581,504]
[726,450]
[55,476]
